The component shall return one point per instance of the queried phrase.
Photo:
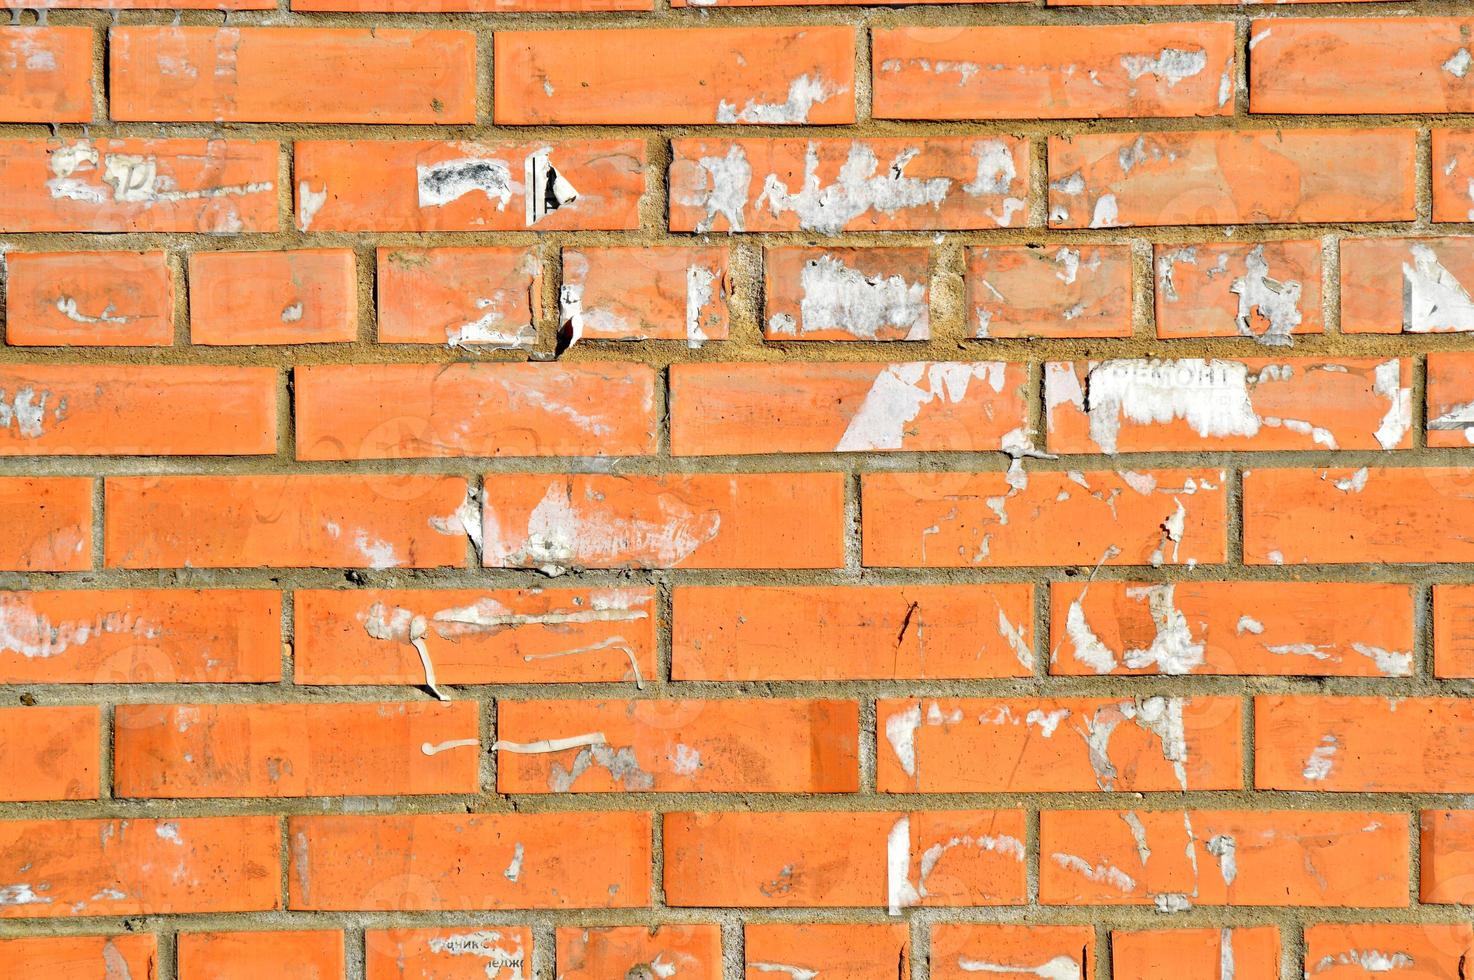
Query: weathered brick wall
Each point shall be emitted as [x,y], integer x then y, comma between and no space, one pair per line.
[710,490]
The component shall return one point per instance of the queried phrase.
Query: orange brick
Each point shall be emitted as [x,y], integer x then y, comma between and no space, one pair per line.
[1192,404]
[1175,3]
[765,745]
[557,636]
[1111,180]
[1197,954]
[846,294]
[740,409]
[850,860]
[254,74]
[1342,951]
[697,520]
[1177,859]
[225,5]
[48,523]
[642,293]
[472,6]
[837,952]
[57,868]
[138,185]
[1268,290]
[50,753]
[1340,516]
[462,953]
[1407,285]
[1446,846]
[1058,745]
[1367,65]
[1358,744]
[884,632]
[820,3]
[956,520]
[140,636]
[428,411]
[112,299]
[765,75]
[1316,629]
[1453,175]
[693,951]
[442,861]
[126,955]
[1453,642]
[1053,72]
[180,751]
[410,185]
[1012,952]
[308,296]
[833,185]
[461,297]
[126,410]
[1450,396]
[1029,291]
[295,955]
[291,521]
[45,74]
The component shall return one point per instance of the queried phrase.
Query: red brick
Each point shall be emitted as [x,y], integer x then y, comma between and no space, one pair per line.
[45,74]
[295,955]
[1177,859]
[181,751]
[699,520]
[254,74]
[112,299]
[58,868]
[1058,745]
[883,632]
[1030,291]
[48,523]
[1342,951]
[835,951]
[643,293]
[1053,72]
[1407,285]
[956,520]
[1197,954]
[1317,629]
[765,75]
[50,753]
[1340,516]
[140,636]
[437,411]
[681,950]
[1450,393]
[734,745]
[138,185]
[444,861]
[1453,642]
[1366,65]
[743,409]
[794,860]
[1453,175]
[1446,847]
[532,636]
[125,955]
[1112,180]
[846,294]
[832,185]
[461,297]
[308,296]
[1014,952]
[459,953]
[410,185]
[1269,290]
[291,521]
[1218,404]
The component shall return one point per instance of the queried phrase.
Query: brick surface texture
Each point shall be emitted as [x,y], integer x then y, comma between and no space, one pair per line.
[737,490]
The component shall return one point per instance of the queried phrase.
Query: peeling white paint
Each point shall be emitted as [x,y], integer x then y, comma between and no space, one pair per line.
[729,184]
[796,972]
[860,188]
[1391,663]
[1211,396]
[1318,765]
[26,411]
[547,190]
[309,202]
[67,307]
[551,744]
[1275,301]
[804,92]
[1171,65]
[1172,650]
[1101,873]
[33,635]
[22,894]
[900,393]
[1399,416]
[1458,418]
[1370,960]
[1434,301]
[514,867]
[700,282]
[1458,63]
[458,743]
[450,180]
[900,893]
[1058,968]
[1225,848]
[835,296]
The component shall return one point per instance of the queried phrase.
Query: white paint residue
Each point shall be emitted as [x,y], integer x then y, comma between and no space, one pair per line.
[67,307]
[1105,214]
[380,553]
[21,894]
[796,972]
[1434,301]
[900,731]
[1370,960]
[1225,849]
[1211,396]
[804,92]
[1270,299]
[611,643]
[1399,416]
[1322,758]
[1458,63]
[1172,65]
[1172,650]
[483,944]
[838,297]
[169,831]
[1046,721]
[547,190]
[514,868]
[450,180]
[1059,968]
[1226,968]
[900,392]
[684,760]
[1391,663]
[1456,419]
[458,743]
[994,173]
[1355,483]
[899,890]
[292,313]
[550,744]
[860,188]
[493,329]
[699,290]
[1014,637]
[1104,873]
[466,521]
[728,186]
[309,202]
[26,411]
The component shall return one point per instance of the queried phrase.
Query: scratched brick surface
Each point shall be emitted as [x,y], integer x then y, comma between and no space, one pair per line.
[737,490]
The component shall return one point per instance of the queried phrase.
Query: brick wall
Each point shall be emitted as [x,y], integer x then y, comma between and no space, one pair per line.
[721,489]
